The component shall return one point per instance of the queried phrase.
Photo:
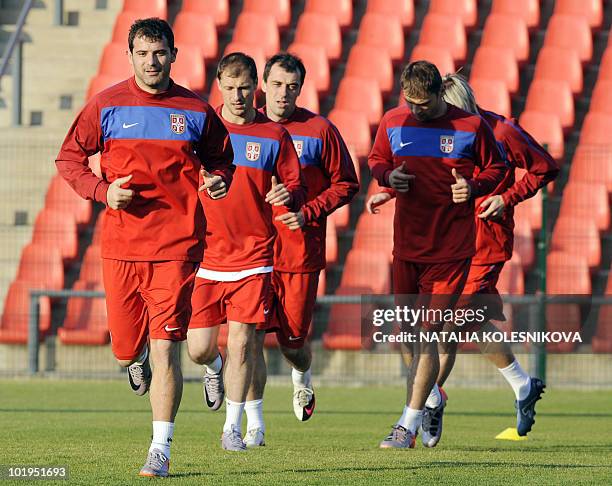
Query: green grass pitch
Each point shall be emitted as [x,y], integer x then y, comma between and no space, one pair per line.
[102,432]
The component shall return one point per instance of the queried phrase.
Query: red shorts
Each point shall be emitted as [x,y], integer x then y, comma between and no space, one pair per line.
[246,300]
[146,299]
[295,295]
[481,291]
[437,285]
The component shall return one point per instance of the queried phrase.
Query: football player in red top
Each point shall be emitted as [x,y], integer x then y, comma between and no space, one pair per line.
[438,159]
[159,143]
[234,279]
[494,243]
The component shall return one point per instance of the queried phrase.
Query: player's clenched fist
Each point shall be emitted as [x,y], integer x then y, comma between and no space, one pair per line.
[213,184]
[116,196]
[293,221]
[377,200]
[278,195]
[462,191]
[399,179]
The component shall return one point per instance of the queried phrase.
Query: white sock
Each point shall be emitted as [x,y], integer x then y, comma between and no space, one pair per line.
[143,356]
[233,415]
[435,397]
[301,379]
[162,437]
[411,419]
[254,413]
[215,366]
[518,379]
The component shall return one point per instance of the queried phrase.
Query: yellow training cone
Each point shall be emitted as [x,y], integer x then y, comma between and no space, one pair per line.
[510,434]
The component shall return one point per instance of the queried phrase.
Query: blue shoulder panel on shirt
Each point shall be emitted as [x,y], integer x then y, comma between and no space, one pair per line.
[308,149]
[255,152]
[431,142]
[151,123]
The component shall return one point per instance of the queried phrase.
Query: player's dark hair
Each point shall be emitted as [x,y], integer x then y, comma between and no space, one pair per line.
[236,62]
[421,79]
[288,62]
[154,29]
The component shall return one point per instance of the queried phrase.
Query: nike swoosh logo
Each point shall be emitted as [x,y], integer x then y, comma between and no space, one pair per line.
[266,312]
[125,125]
[310,407]
[293,338]
[170,329]
[402,145]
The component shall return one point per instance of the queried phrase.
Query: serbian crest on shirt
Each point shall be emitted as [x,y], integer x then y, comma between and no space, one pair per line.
[299,147]
[177,123]
[447,143]
[253,150]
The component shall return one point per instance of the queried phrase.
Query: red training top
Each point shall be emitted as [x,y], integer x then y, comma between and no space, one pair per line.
[161,140]
[428,226]
[331,182]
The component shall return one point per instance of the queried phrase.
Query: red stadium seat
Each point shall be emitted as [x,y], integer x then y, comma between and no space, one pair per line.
[264,35]
[355,130]
[374,232]
[553,97]
[321,289]
[467,10]
[366,91]
[123,22]
[523,241]
[570,32]
[496,63]
[400,9]
[344,328]
[53,228]
[592,163]
[101,82]
[320,30]
[492,95]
[199,30]
[219,10]
[602,341]
[280,9]
[591,10]
[14,325]
[341,9]
[61,197]
[42,266]
[371,63]
[256,52]
[439,56]
[115,61]
[512,279]
[342,218]
[566,274]
[577,236]
[331,243]
[189,70]
[316,64]
[601,98]
[147,8]
[91,266]
[528,10]
[445,31]
[596,129]
[86,319]
[605,67]
[382,32]
[363,271]
[530,209]
[309,97]
[94,164]
[215,99]
[507,31]
[546,130]
[587,201]
[555,63]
